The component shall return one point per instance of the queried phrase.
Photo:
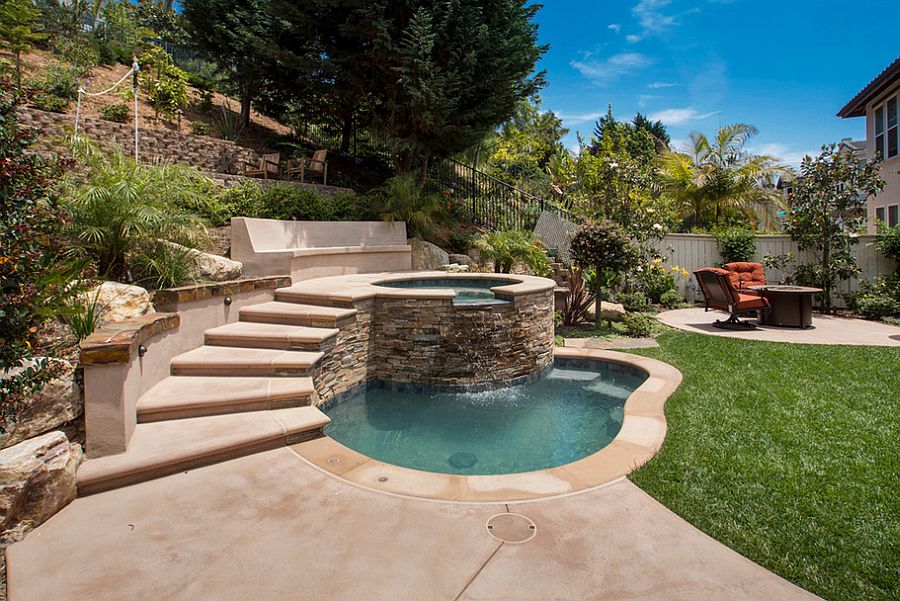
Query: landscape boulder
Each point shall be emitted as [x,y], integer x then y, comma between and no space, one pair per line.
[461,259]
[427,256]
[214,268]
[120,302]
[37,479]
[59,401]
[608,311]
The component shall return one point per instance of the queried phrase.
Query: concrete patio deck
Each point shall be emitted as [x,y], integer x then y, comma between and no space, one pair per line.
[272,526]
[826,329]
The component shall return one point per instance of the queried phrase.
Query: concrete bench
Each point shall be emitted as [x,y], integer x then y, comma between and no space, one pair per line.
[312,249]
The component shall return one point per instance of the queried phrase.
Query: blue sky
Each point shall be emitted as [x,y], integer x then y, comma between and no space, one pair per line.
[786,67]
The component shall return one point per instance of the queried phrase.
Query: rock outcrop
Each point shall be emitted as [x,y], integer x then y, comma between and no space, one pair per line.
[37,479]
[427,256]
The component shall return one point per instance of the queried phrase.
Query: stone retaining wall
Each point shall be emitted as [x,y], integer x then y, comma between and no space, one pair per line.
[203,152]
[434,342]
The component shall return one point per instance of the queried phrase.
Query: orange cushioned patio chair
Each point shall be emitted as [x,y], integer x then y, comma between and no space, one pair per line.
[721,293]
[746,274]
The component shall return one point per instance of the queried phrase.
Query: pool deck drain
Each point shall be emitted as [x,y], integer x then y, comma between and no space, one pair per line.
[512,528]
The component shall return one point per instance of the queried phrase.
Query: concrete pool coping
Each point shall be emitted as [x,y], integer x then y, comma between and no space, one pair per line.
[359,287]
[640,438]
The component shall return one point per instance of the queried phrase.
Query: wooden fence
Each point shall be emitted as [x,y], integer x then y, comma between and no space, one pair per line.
[693,251]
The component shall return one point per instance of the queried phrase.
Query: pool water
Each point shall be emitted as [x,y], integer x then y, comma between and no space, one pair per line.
[564,416]
[468,291]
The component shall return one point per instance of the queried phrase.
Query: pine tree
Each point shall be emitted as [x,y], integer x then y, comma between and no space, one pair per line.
[19,28]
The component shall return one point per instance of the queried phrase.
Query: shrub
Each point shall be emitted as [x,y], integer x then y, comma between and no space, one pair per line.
[242,200]
[121,208]
[206,101]
[35,277]
[654,279]
[401,198]
[509,248]
[878,307]
[165,84]
[736,244]
[79,51]
[634,301]
[62,82]
[888,242]
[83,315]
[199,128]
[118,112]
[50,103]
[158,264]
[227,124]
[350,206]
[579,298]
[670,299]
[284,201]
[638,325]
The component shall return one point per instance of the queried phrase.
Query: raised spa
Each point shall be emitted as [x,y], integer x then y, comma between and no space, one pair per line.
[469,291]
[571,412]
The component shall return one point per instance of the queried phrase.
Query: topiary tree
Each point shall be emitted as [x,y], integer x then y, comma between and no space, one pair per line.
[606,247]
[828,210]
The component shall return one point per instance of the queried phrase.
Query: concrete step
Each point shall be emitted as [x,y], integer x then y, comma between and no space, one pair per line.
[319,298]
[234,361]
[180,397]
[162,448]
[250,334]
[296,314]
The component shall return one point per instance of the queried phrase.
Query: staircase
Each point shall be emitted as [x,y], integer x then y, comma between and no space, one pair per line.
[251,387]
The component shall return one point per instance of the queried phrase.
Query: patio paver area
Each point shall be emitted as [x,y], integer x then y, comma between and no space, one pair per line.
[826,329]
[271,526]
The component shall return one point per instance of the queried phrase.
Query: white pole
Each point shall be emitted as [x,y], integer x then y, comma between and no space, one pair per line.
[134,88]
[78,109]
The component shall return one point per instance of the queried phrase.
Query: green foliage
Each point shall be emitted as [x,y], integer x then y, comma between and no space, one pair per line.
[654,279]
[199,128]
[20,29]
[641,139]
[49,102]
[61,81]
[241,201]
[878,307]
[164,83]
[603,245]
[119,112]
[579,298]
[227,124]
[633,302]
[828,208]
[84,316]
[163,265]
[78,51]
[206,101]
[671,299]
[638,325]
[284,201]
[736,244]
[717,176]
[509,248]
[402,198]
[888,242]
[35,278]
[122,210]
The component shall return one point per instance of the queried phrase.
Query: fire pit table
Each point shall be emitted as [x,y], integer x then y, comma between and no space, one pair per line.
[791,306]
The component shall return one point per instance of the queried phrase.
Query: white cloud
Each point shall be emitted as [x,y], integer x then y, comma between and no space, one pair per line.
[582,118]
[633,39]
[659,85]
[783,153]
[617,27]
[645,99]
[604,72]
[650,16]
[679,116]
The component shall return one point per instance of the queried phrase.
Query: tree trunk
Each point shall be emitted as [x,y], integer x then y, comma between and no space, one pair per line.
[598,303]
[346,133]
[246,100]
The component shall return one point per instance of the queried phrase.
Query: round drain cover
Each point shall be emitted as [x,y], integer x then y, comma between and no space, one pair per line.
[463,460]
[511,528]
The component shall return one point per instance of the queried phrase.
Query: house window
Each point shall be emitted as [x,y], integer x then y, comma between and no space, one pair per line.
[887,129]
[879,214]
[893,215]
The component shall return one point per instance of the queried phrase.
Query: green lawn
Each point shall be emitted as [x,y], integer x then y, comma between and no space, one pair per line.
[789,454]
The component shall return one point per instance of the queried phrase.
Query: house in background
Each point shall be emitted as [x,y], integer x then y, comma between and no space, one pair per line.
[879,103]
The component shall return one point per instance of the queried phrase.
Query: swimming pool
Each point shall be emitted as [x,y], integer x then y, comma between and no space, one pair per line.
[565,415]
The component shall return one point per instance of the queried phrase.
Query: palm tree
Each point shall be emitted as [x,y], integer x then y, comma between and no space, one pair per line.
[712,176]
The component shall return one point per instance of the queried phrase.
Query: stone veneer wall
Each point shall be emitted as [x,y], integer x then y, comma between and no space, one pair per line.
[433,342]
[202,152]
